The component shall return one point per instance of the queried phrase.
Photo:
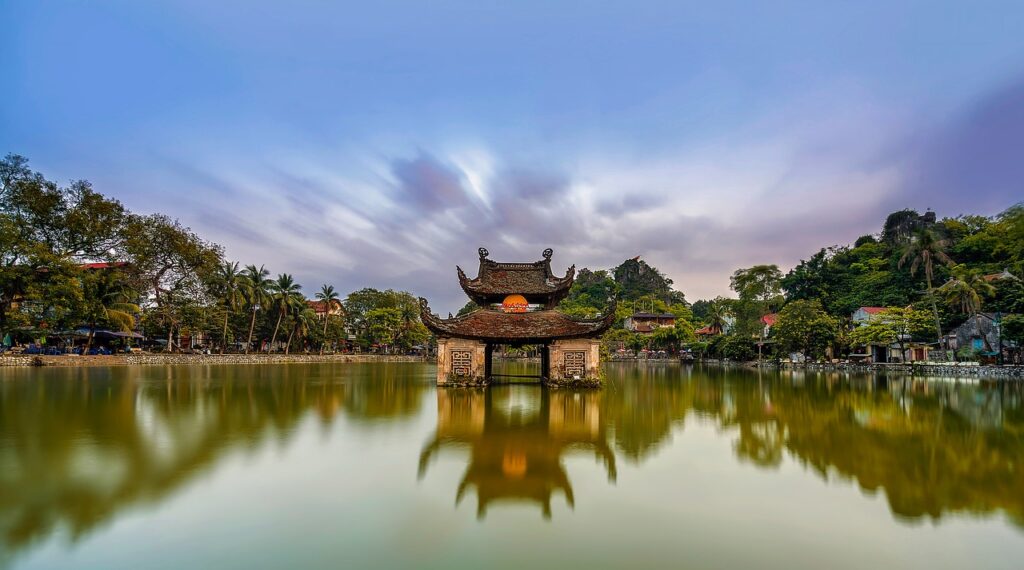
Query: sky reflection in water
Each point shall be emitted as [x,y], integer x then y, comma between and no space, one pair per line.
[371,466]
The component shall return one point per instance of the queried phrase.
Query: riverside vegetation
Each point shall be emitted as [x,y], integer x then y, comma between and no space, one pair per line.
[72,258]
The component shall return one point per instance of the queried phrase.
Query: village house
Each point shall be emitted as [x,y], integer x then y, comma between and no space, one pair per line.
[323,310]
[981,335]
[881,352]
[647,323]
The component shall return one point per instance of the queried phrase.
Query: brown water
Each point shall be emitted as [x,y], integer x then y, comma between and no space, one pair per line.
[369,465]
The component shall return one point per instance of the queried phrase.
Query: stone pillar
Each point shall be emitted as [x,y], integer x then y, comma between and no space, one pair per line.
[575,362]
[460,362]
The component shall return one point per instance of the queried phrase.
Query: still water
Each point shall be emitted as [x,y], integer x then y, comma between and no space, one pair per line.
[371,466]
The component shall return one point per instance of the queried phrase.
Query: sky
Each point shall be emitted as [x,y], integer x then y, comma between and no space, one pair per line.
[381,143]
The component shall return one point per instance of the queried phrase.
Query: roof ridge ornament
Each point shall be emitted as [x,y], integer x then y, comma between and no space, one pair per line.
[548,253]
[483,252]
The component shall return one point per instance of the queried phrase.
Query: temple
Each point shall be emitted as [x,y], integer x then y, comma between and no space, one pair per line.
[517,455]
[517,307]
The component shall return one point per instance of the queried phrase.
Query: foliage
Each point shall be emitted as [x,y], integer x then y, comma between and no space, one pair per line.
[803,326]
[894,325]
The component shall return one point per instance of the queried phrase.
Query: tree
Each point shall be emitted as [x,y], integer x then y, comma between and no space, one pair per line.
[108,302]
[760,290]
[229,292]
[256,289]
[718,314]
[803,326]
[893,325]
[383,324]
[330,299]
[1012,328]
[965,290]
[922,252]
[283,290]
[171,262]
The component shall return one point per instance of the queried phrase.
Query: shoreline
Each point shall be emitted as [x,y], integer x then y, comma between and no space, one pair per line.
[939,370]
[69,361]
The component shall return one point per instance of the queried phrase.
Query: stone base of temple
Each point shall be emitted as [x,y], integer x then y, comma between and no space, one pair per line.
[574,363]
[461,362]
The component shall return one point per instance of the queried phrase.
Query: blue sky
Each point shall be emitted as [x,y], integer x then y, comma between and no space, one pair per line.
[381,143]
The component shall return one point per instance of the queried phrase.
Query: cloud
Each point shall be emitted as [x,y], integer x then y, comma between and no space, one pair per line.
[975,163]
[821,172]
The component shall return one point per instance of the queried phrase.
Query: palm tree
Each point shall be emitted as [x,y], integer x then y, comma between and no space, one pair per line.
[230,281]
[329,297]
[110,302]
[256,285]
[305,320]
[718,314]
[282,291]
[922,252]
[964,291]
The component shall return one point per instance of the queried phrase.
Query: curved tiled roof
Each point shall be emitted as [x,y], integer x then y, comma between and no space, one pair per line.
[531,327]
[495,280]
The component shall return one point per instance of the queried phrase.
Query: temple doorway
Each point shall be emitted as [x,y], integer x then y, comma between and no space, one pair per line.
[516,364]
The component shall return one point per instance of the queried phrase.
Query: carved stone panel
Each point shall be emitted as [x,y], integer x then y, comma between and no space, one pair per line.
[575,363]
[462,362]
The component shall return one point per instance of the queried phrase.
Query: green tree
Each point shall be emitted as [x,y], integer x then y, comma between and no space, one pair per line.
[107,302]
[283,291]
[803,326]
[173,263]
[922,251]
[229,292]
[256,290]
[384,325]
[331,300]
[965,291]
[894,325]
[760,291]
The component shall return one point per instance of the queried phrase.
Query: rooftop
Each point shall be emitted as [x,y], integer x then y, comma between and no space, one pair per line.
[526,328]
[535,281]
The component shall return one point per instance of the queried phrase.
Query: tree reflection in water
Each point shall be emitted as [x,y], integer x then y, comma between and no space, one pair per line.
[79,446]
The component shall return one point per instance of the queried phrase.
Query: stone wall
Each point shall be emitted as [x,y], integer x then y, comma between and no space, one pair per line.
[460,371]
[576,362]
[165,359]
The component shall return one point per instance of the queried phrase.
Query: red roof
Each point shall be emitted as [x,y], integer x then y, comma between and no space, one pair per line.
[770,319]
[872,310]
[705,330]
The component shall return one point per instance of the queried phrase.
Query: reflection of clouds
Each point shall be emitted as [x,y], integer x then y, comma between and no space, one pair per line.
[79,446]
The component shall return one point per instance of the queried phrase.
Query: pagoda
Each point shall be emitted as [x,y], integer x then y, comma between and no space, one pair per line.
[517,307]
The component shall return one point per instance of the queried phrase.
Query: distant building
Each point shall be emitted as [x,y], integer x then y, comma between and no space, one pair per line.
[649,322]
[1004,274]
[979,334]
[322,309]
[865,314]
[769,321]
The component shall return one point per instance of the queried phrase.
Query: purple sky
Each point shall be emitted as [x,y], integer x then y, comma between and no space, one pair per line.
[380,146]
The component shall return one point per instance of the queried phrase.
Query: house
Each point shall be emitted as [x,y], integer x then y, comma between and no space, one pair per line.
[881,352]
[1004,274]
[864,314]
[322,309]
[979,334]
[649,322]
[768,321]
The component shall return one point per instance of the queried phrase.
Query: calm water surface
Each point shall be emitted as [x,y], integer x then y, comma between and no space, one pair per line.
[352,466]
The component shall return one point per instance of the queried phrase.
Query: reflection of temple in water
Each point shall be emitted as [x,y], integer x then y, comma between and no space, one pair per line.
[517,438]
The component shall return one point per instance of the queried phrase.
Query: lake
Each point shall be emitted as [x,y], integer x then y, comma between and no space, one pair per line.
[372,466]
